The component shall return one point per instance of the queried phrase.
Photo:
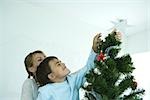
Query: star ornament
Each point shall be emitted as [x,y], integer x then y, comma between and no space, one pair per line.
[121,25]
[101,57]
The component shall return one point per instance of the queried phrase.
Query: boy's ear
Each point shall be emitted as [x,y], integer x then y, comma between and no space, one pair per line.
[51,76]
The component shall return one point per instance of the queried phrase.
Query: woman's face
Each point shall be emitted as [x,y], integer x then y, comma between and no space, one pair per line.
[37,59]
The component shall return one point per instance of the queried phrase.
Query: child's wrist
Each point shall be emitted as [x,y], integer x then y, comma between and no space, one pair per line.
[95,49]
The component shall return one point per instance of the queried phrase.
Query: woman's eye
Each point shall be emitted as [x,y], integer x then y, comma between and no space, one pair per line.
[39,59]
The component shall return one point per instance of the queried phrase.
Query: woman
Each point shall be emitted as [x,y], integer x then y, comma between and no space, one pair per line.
[30,85]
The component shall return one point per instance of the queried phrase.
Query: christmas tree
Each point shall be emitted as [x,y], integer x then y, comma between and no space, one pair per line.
[111,78]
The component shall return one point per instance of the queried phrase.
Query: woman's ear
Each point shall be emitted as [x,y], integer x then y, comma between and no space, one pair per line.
[31,69]
[51,76]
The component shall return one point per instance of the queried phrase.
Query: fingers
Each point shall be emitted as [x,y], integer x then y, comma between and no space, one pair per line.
[96,42]
[98,35]
[97,38]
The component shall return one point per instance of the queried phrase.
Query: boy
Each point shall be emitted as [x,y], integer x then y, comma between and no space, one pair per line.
[54,78]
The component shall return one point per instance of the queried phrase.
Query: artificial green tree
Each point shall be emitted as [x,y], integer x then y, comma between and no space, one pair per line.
[111,78]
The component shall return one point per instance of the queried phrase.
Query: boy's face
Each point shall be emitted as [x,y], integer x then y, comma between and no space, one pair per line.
[59,70]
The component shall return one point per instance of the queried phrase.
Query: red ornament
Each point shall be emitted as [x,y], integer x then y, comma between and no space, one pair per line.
[101,57]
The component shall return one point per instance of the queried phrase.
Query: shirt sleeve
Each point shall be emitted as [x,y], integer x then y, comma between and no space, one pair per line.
[79,75]
[27,91]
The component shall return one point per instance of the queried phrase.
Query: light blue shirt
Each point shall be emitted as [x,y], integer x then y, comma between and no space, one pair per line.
[69,89]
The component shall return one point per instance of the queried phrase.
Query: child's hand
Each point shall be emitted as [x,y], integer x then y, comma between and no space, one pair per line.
[96,42]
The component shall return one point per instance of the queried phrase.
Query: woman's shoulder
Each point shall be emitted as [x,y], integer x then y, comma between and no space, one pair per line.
[29,89]
[29,82]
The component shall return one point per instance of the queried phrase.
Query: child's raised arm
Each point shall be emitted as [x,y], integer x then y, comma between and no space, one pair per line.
[79,76]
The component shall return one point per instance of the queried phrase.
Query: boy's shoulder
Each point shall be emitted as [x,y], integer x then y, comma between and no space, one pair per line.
[46,89]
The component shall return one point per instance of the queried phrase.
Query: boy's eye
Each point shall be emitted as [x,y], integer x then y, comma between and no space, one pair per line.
[58,64]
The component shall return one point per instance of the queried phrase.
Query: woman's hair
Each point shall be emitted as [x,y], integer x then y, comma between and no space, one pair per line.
[29,62]
[43,70]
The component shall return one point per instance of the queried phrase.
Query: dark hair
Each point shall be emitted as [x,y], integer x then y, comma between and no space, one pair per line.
[29,62]
[43,70]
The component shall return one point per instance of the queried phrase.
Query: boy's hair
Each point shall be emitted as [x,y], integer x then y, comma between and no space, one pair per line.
[29,62]
[43,70]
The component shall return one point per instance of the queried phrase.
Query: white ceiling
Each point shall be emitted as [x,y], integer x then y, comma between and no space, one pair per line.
[98,13]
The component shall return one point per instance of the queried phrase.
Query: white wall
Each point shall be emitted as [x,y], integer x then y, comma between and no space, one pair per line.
[0,44]
[136,43]
[139,41]
[141,73]
[148,25]
[27,28]
[62,29]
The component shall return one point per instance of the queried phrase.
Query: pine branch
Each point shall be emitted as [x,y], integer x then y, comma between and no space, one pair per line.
[134,95]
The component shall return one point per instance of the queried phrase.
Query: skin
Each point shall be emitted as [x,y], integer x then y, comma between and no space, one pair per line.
[37,59]
[59,71]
